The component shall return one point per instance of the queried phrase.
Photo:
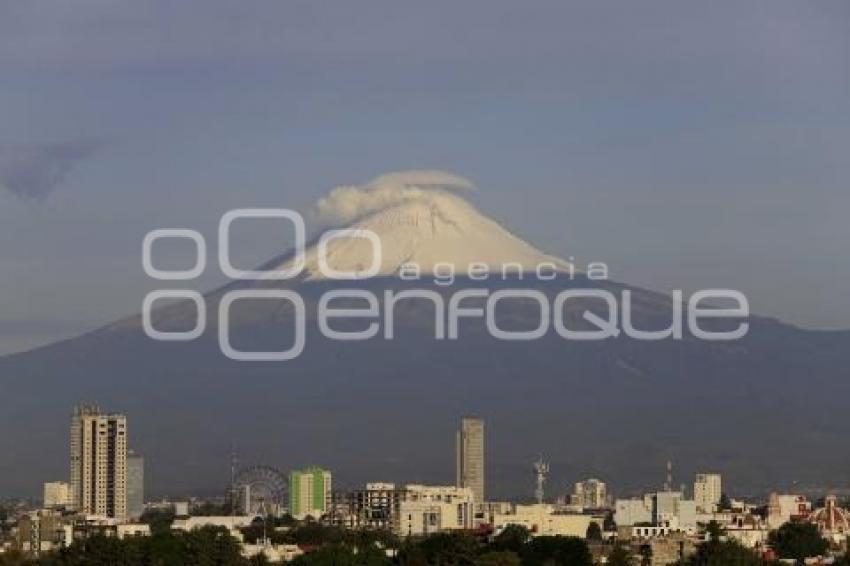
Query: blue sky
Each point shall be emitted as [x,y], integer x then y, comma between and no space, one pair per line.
[686,144]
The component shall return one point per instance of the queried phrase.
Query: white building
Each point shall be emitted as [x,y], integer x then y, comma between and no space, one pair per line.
[670,507]
[707,492]
[99,462]
[747,529]
[274,552]
[590,493]
[656,514]
[124,530]
[57,494]
[233,523]
[781,508]
[181,509]
[542,520]
[634,511]
[424,510]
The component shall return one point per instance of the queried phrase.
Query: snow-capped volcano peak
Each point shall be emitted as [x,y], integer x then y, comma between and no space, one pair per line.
[421,221]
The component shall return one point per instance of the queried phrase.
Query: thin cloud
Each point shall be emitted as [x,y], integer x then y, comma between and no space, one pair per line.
[35,171]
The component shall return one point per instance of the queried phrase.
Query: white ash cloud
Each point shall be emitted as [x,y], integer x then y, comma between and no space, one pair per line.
[349,203]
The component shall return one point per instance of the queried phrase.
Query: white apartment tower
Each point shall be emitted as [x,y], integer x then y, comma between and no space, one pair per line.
[99,462]
[470,456]
[707,492]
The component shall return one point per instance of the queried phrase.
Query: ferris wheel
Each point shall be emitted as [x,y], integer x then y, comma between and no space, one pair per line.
[258,490]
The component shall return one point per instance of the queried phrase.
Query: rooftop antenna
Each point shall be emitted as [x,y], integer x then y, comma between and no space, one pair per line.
[541,468]
[234,463]
[668,485]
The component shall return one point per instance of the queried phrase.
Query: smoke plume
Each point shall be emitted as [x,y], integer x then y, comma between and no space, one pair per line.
[349,203]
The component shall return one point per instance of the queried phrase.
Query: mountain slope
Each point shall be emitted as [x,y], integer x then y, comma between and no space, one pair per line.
[435,231]
[767,410]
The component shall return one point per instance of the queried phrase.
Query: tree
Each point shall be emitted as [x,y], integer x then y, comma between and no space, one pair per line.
[411,554]
[159,520]
[594,532]
[797,541]
[314,534]
[212,546]
[14,558]
[725,504]
[620,556]
[723,553]
[166,549]
[513,539]
[498,558]
[342,555]
[100,550]
[609,524]
[557,550]
[450,549]
[714,531]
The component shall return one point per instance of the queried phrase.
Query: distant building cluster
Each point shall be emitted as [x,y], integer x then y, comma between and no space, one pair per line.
[105,494]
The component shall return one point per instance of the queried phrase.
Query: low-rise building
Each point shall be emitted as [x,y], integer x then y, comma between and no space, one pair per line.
[233,523]
[670,549]
[656,514]
[424,510]
[124,530]
[543,520]
[273,552]
[782,508]
[40,531]
[633,511]
[749,531]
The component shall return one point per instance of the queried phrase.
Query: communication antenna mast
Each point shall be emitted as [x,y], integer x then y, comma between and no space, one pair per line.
[668,485]
[541,468]
[234,464]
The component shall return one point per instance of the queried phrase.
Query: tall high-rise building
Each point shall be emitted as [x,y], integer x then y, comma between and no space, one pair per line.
[135,485]
[470,456]
[707,492]
[309,492]
[99,462]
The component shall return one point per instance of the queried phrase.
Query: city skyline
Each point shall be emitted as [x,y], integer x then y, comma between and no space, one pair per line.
[706,487]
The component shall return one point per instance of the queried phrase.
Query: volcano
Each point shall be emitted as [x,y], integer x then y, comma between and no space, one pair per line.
[435,230]
[766,410]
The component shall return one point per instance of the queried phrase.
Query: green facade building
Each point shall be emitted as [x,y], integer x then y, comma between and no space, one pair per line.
[309,492]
